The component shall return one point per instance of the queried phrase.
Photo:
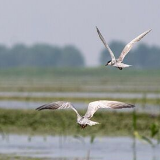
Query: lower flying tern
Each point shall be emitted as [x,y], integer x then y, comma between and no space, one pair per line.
[118,62]
[83,121]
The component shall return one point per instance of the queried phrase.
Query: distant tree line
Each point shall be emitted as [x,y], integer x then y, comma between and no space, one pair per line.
[40,55]
[141,56]
[44,55]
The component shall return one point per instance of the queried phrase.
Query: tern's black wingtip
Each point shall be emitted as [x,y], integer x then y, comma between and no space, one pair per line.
[97,29]
[38,109]
[133,106]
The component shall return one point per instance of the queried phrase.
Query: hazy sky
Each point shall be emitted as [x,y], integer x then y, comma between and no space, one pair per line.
[63,22]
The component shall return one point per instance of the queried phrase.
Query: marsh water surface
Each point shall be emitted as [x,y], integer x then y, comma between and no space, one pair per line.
[13,104]
[81,94]
[102,148]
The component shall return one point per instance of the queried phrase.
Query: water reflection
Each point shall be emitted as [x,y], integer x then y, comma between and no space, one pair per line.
[115,148]
[12,104]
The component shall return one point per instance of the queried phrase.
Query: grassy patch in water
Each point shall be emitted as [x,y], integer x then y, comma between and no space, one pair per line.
[142,101]
[64,122]
[97,79]
[14,157]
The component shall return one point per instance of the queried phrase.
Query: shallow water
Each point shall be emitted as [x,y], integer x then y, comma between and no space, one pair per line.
[115,148]
[78,105]
[80,94]
[11,104]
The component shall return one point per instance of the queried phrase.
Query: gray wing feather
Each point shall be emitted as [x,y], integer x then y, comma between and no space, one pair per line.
[94,106]
[105,44]
[57,105]
[129,46]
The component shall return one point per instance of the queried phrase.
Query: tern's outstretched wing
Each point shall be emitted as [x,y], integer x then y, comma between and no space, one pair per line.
[105,44]
[129,46]
[58,105]
[94,106]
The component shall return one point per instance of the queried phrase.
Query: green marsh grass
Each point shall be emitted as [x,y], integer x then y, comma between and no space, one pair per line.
[64,123]
[154,129]
[15,157]
[99,79]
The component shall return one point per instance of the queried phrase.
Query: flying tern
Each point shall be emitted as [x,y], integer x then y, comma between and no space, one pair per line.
[118,62]
[83,121]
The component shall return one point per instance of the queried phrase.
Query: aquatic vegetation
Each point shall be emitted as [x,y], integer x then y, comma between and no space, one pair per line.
[14,157]
[63,123]
[71,79]
[154,131]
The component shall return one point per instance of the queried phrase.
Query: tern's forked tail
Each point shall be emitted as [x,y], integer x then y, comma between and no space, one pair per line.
[122,65]
[91,123]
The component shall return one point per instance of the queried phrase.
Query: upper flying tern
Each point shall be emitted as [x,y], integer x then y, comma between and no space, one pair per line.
[118,62]
[83,121]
